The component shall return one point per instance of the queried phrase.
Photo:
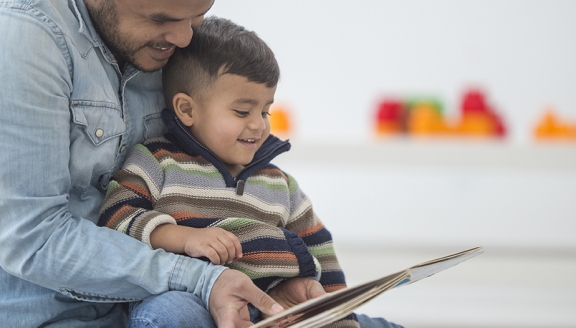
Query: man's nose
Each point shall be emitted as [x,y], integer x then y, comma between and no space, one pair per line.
[180,33]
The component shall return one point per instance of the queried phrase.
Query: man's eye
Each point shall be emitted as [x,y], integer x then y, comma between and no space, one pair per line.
[158,22]
[242,113]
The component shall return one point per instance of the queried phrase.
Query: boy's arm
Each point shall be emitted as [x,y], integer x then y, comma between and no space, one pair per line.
[308,226]
[269,254]
[130,207]
[129,203]
[218,245]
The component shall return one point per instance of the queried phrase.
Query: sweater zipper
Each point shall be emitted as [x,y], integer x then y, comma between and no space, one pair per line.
[239,182]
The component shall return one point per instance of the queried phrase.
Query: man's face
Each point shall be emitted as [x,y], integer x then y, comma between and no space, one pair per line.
[144,33]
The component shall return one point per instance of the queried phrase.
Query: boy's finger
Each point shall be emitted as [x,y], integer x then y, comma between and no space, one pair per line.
[222,251]
[230,246]
[213,256]
[236,244]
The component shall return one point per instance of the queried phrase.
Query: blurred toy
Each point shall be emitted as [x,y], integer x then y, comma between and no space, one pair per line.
[280,124]
[478,118]
[389,117]
[425,117]
[551,127]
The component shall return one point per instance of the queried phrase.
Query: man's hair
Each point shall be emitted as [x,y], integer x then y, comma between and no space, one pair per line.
[218,46]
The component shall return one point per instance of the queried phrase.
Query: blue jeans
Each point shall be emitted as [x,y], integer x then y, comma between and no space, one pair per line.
[367,322]
[182,309]
[364,320]
[170,309]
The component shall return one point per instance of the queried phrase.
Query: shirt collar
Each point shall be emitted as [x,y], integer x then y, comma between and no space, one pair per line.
[86,27]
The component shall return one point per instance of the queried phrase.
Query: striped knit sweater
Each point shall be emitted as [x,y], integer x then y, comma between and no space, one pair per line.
[175,180]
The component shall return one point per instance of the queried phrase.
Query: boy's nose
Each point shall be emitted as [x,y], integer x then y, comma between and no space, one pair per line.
[257,123]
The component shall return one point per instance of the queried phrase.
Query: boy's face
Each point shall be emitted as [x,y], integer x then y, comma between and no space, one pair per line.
[146,32]
[232,120]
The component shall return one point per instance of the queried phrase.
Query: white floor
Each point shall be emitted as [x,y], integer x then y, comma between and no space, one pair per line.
[496,289]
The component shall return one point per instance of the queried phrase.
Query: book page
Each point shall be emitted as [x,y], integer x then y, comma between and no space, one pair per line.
[328,304]
[334,306]
[426,269]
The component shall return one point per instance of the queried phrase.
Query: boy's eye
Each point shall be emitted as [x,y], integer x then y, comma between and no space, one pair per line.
[242,113]
[266,114]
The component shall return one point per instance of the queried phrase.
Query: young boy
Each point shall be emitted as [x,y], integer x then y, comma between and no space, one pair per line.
[207,188]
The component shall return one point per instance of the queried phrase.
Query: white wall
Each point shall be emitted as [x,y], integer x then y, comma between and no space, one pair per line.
[391,204]
[338,57]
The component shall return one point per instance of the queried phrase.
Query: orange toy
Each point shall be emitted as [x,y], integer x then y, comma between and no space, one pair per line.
[477,124]
[425,120]
[279,121]
[551,127]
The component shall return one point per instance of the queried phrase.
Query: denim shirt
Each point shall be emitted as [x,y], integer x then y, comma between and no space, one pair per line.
[68,118]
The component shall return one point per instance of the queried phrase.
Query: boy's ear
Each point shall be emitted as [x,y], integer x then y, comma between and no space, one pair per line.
[183,108]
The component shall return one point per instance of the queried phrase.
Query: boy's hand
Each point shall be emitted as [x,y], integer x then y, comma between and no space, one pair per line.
[218,245]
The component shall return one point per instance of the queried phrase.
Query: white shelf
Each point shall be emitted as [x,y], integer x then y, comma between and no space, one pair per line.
[438,153]
[441,192]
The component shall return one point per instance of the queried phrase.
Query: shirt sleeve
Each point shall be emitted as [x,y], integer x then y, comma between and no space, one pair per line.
[42,241]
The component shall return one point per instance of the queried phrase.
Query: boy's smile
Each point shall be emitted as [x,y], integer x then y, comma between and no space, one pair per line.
[250,143]
[230,119]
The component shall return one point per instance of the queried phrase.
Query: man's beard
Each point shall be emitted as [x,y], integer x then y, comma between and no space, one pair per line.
[105,21]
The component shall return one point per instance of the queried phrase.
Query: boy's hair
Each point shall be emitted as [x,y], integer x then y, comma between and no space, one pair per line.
[218,46]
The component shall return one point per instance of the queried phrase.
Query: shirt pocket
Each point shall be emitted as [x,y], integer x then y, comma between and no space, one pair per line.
[100,121]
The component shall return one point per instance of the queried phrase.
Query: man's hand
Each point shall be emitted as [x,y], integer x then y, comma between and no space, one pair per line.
[230,296]
[295,291]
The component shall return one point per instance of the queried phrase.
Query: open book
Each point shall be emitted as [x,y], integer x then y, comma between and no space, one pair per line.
[328,308]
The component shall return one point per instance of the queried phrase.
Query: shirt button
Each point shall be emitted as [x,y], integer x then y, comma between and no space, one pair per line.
[122,149]
[99,133]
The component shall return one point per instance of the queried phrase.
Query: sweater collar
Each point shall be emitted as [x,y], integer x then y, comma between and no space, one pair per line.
[180,135]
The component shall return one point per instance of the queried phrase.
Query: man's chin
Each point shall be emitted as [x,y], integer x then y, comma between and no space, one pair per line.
[148,68]
[147,65]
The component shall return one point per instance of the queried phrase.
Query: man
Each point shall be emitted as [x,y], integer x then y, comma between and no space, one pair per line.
[81,86]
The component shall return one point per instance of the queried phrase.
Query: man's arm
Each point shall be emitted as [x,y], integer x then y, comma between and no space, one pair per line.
[42,240]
